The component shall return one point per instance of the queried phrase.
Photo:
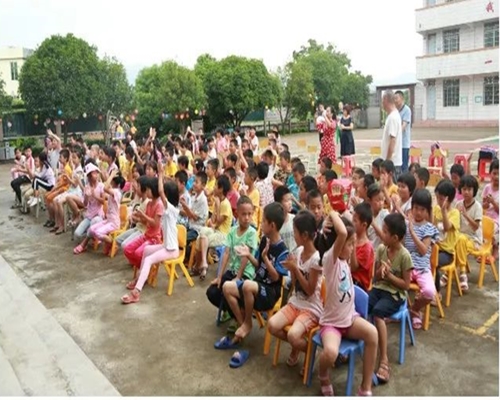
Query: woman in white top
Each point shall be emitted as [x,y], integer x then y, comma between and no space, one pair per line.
[159,253]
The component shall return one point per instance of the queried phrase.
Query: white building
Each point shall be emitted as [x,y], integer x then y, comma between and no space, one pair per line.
[459,68]
[11,61]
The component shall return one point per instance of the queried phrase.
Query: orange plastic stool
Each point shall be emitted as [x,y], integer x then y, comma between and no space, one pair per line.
[464,161]
[484,165]
[348,165]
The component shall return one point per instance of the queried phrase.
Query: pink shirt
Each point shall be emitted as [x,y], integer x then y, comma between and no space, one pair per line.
[113,214]
[339,308]
[154,208]
[490,211]
[94,208]
[221,145]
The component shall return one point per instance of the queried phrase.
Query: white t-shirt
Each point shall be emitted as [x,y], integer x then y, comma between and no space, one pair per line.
[286,233]
[299,297]
[255,144]
[392,128]
[378,220]
[475,212]
[169,227]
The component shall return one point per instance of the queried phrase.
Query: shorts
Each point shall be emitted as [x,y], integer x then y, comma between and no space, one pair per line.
[71,192]
[305,317]
[265,299]
[215,238]
[383,304]
[338,331]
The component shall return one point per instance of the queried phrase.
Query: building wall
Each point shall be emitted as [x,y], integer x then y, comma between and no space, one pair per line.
[8,55]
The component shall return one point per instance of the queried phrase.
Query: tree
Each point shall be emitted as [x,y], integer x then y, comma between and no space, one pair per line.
[5,100]
[296,91]
[65,78]
[115,90]
[168,89]
[236,86]
[333,81]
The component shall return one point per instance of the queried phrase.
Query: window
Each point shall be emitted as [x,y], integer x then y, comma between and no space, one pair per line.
[490,90]
[491,34]
[13,71]
[451,41]
[451,93]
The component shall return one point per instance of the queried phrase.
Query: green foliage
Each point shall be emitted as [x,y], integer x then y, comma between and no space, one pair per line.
[21,143]
[166,88]
[65,73]
[5,100]
[235,86]
[355,89]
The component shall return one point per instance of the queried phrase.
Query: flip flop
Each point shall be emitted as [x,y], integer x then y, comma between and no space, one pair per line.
[226,343]
[79,249]
[383,373]
[59,232]
[239,358]
[292,361]
[131,298]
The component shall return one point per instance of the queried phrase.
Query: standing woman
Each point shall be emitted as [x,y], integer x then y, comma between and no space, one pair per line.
[346,138]
[328,141]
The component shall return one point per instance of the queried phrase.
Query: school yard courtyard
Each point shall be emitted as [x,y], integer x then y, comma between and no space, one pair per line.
[63,330]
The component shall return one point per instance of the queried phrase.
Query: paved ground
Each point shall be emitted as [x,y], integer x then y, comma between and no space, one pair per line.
[164,345]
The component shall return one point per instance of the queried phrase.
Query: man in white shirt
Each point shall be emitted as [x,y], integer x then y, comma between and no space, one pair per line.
[254,141]
[392,138]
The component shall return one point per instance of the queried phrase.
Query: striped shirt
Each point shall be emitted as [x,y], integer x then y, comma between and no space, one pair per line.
[425,230]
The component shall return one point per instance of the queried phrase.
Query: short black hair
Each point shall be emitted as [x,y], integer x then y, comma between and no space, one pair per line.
[328,162]
[280,192]
[204,148]
[262,170]
[457,169]
[153,165]
[285,146]
[214,163]
[330,175]
[252,173]
[248,153]
[409,180]
[143,183]
[368,180]
[364,213]
[360,172]
[244,200]
[299,168]
[493,165]
[224,184]
[313,194]
[183,160]
[202,176]
[305,222]
[309,183]
[469,181]
[285,155]
[295,160]
[233,141]
[28,146]
[182,177]
[274,213]
[377,163]
[396,225]
[231,172]
[388,166]
[373,190]
[445,188]
[267,153]
[414,166]
[422,198]
[399,92]
[424,175]
[232,157]
[171,191]
[64,153]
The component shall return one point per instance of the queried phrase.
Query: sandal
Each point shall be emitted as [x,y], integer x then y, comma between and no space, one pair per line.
[79,249]
[226,343]
[203,273]
[194,272]
[362,393]
[133,297]
[239,358]
[131,284]
[59,232]
[384,372]
[416,320]
[54,229]
[293,358]
[326,386]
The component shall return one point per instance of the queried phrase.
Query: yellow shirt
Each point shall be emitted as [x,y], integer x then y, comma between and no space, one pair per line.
[189,155]
[210,186]
[326,204]
[254,195]
[393,189]
[447,240]
[126,167]
[170,170]
[225,210]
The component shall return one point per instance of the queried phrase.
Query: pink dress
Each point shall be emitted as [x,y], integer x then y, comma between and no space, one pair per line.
[328,141]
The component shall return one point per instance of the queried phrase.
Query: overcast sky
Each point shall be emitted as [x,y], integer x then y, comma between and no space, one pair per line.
[378,35]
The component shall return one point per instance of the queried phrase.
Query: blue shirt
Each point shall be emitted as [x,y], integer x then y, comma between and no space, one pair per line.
[190,182]
[405,114]
[425,230]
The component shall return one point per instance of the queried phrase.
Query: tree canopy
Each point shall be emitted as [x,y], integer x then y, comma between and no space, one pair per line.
[5,100]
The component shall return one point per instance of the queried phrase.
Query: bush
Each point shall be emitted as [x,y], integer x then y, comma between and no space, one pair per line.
[21,143]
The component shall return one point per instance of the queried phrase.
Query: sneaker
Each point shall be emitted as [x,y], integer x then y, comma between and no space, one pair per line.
[33,202]
[444,281]
[464,285]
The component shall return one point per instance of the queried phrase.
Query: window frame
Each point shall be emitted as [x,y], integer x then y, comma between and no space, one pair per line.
[447,37]
[490,83]
[14,71]
[449,99]
[490,34]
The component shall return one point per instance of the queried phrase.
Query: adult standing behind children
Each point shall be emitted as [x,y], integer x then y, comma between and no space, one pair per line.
[405,114]
[392,141]
[347,147]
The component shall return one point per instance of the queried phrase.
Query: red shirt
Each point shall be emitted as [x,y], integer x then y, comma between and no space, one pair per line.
[153,208]
[366,263]
[233,197]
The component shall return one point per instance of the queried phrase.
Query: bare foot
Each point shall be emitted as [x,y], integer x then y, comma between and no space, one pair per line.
[243,331]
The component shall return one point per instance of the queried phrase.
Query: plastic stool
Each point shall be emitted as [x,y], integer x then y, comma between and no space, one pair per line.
[483,167]
[436,161]
[415,155]
[464,161]
[348,164]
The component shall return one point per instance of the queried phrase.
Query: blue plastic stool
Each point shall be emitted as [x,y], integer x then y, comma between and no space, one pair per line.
[403,316]
[220,252]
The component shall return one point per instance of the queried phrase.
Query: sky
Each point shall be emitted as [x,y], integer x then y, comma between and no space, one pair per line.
[378,35]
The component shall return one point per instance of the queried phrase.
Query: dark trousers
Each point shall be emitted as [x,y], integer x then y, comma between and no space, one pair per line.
[214,293]
[17,183]
[444,259]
